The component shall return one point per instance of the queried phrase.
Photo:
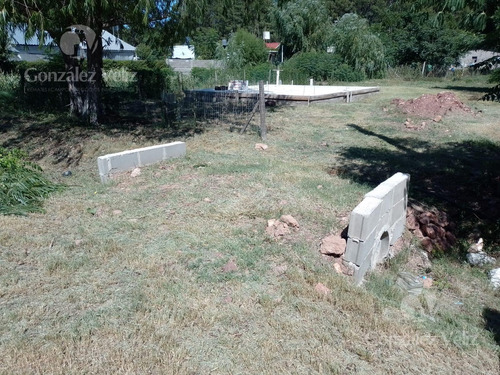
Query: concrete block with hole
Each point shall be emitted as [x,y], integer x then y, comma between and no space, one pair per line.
[130,159]
[376,223]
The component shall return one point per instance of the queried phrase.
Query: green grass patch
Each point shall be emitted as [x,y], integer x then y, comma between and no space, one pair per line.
[23,187]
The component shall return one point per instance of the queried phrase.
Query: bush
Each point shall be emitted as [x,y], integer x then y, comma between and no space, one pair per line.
[152,77]
[320,66]
[243,50]
[257,73]
[22,185]
[9,82]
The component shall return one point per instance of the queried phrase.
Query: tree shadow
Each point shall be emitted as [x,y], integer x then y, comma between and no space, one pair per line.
[459,178]
[482,89]
[492,322]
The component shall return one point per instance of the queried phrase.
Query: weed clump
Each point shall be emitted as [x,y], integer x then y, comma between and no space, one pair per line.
[23,187]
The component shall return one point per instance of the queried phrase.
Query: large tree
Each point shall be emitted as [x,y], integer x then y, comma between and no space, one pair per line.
[71,22]
[303,25]
[475,15]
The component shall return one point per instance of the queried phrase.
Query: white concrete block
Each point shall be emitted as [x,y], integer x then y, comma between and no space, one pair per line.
[398,210]
[397,229]
[376,223]
[123,161]
[126,160]
[384,192]
[351,250]
[399,183]
[364,218]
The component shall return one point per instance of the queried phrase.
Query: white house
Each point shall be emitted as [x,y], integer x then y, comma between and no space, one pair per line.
[183,52]
[30,49]
[476,56]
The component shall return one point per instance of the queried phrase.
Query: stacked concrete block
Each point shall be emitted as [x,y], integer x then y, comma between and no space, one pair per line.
[126,160]
[376,223]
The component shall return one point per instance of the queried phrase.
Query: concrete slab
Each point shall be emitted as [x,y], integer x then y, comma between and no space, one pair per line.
[130,159]
[299,93]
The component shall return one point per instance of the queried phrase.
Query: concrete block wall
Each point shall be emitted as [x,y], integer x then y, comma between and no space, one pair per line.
[126,160]
[376,223]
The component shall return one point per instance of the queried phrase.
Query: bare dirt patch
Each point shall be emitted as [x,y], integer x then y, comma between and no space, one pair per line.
[433,107]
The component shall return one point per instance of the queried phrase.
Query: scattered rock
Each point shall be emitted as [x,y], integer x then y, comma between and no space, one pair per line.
[290,221]
[320,186]
[322,289]
[230,266]
[117,212]
[279,228]
[280,270]
[477,247]
[438,118]
[261,146]
[432,227]
[208,200]
[338,268]
[495,278]
[78,242]
[136,172]
[479,259]
[333,245]
[348,268]
[67,173]
[427,282]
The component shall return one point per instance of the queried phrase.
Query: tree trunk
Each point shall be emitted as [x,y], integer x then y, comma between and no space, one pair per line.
[84,87]
[78,99]
[94,60]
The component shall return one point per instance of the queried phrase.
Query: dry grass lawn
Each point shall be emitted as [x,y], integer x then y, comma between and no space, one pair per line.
[128,277]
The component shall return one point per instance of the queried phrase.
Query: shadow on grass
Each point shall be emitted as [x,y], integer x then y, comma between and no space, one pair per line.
[483,89]
[460,178]
[62,136]
[492,322]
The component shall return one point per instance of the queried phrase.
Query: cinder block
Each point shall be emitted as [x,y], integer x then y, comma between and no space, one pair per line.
[397,229]
[130,159]
[376,223]
[351,250]
[398,211]
[122,161]
[385,193]
[150,155]
[364,218]
[399,183]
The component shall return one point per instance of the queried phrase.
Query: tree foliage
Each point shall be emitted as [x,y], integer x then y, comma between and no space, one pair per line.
[476,15]
[56,16]
[303,25]
[358,45]
[205,40]
[244,49]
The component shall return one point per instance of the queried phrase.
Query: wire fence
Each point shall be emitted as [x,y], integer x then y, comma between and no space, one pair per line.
[190,107]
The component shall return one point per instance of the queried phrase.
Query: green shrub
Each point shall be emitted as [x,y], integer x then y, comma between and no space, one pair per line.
[22,185]
[243,50]
[119,79]
[320,66]
[152,77]
[258,73]
[9,82]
